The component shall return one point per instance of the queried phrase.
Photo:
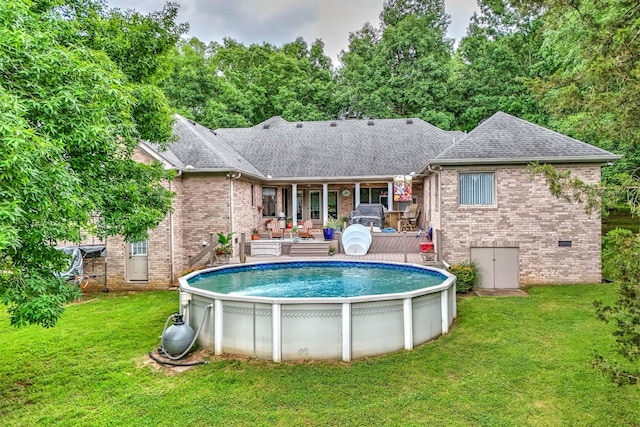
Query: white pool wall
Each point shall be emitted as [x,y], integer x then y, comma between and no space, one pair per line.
[348,328]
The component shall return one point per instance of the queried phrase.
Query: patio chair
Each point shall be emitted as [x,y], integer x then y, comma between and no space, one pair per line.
[410,218]
[305,230]
[274,229]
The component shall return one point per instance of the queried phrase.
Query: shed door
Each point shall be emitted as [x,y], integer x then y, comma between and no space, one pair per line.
[137,262]
[498,267]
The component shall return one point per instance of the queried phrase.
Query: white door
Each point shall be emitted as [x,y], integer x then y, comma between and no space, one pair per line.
[137,262]
[498,267]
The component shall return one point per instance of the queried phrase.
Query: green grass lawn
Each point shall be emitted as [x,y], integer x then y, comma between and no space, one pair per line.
[506,362]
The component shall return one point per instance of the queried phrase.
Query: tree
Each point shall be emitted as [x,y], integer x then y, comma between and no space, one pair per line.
[624,314]
[239,85]
[590,79]
[190,84]
[70,120]
[494,61]
[623,263]
[402,69]
[590,84]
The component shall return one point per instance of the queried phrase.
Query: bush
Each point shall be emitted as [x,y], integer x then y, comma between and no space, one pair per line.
[467,276]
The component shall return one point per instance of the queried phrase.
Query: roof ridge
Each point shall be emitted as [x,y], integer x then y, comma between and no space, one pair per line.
[192,126]
[545,129]
[503,137]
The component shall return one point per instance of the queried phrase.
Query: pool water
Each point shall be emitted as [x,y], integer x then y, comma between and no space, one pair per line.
[313,280]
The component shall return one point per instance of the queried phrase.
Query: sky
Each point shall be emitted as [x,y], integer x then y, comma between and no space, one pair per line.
[281,21]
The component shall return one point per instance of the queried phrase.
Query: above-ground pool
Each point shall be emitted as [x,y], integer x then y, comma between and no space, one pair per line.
[317,309]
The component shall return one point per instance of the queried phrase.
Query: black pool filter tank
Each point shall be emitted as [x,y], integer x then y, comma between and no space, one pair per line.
[177,338]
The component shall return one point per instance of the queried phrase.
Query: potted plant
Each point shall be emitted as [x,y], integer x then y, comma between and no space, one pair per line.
[329,228]
[345,222]
[255,235]
[225,247]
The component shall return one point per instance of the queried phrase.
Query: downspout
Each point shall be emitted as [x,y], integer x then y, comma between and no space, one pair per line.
[232,177]
[171,237]
[437,190]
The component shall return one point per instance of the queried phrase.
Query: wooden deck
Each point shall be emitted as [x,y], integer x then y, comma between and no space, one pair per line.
[412,258]
[389,247]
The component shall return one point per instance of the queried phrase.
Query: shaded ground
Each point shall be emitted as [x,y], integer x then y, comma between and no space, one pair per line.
[500,293]
[620,219]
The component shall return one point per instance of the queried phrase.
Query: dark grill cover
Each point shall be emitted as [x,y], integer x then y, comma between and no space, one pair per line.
[367,213]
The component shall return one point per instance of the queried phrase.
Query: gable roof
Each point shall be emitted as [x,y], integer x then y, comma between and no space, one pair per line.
[335,149]
[200,149]
[503,138]
[364,149]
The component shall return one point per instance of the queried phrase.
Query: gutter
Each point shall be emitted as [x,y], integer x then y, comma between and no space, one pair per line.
[192,170]
[334,179]
[511,161]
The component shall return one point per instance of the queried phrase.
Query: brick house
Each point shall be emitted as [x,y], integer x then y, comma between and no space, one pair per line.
[473,190]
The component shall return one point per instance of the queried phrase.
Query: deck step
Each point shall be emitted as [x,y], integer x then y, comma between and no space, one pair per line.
[309,249]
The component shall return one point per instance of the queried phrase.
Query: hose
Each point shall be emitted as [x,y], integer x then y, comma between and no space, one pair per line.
[169,362]
[195,337]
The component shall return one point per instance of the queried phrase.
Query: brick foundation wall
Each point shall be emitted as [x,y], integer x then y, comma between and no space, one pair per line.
[528,217]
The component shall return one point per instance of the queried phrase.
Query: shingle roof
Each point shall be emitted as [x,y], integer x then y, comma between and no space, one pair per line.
[503,138]
[342,148]
[338,149]
[199,148]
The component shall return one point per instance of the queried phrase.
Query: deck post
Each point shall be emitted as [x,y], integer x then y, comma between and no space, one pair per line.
[404,244]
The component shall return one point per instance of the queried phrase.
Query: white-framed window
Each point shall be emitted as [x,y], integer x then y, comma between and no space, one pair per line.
[139,248]
[476,188]
[269,195]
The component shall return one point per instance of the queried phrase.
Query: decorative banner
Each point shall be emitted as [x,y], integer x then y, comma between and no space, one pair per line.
[402,188]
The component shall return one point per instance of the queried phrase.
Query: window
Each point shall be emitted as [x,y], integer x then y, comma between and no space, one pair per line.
[364,196]
[139,248]
[437,191]
[476,188]
[333,203]
[299,204]
[269,195]
[371,195]
[253,196]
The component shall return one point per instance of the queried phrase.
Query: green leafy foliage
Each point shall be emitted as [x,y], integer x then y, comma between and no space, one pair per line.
[37,299]
[466,276]
[233,85]
[493,62]
[565,186]
[225,243]
[621,261]
[589,75]
[402,69]
[69,123]
[624,314]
